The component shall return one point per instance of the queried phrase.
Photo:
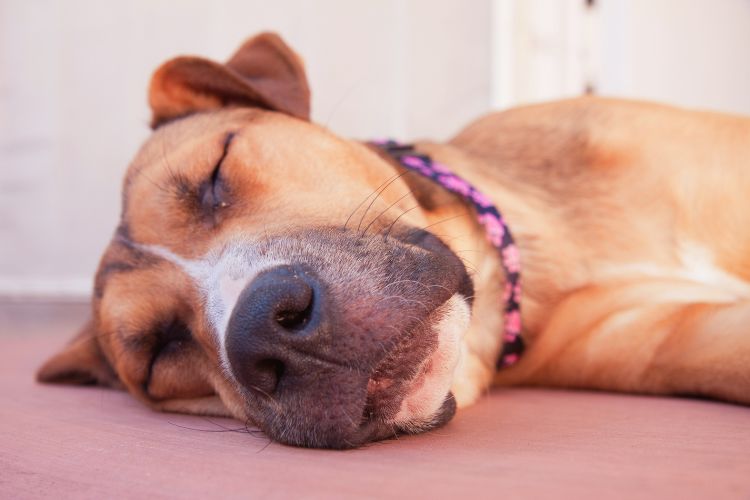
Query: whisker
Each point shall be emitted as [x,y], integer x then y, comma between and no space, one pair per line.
[172,173]
[445,220]
[227,429]
[367,198]
[384,211]
[424,285]
[390,228]
[379,192]
[446,238]
[468,265]
[161,187]
[264,393]
[266,445]
[203,430]
[179,182]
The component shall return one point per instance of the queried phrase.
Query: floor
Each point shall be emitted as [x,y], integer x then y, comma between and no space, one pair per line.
[96,443]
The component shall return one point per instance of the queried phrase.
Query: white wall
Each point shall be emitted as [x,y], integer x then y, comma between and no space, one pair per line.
[693,53]
[73,75]
[688,52]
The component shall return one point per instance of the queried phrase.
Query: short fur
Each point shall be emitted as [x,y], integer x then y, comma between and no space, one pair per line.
[632,219]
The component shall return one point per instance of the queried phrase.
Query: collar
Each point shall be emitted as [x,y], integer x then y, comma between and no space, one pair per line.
[498,234]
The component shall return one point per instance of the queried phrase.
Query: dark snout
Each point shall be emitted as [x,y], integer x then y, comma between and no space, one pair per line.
[305,340]
[276,319]
[280,348]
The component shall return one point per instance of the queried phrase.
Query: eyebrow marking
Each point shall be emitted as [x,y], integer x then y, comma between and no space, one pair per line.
[106,271]
[129,259]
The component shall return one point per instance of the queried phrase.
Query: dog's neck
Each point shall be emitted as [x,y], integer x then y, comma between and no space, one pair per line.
[496,229]
[534,222]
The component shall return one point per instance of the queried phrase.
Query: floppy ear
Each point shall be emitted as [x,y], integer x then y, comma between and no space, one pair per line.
[263,73]
[80,362]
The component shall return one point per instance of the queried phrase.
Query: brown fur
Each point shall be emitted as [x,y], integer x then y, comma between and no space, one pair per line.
[595,184]
[632,219]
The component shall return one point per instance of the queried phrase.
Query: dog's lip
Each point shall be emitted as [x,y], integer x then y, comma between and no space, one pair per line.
[382,382]
[377,429]
[381,385]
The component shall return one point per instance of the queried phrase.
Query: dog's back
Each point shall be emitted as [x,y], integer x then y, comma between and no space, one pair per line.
[634,225]
[236,285]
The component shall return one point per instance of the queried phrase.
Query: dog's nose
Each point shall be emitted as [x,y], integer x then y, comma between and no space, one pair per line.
[276,317]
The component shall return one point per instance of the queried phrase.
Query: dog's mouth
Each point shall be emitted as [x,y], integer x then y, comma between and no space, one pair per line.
[371,351]
[408,391]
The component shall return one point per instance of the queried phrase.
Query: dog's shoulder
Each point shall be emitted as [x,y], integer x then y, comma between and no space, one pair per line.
[535,144]
[559,143]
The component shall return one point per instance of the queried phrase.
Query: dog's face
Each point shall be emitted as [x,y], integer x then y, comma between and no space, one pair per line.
[266,269]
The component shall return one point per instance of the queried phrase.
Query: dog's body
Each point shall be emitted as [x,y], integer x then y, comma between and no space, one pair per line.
[633,223]
[632,219]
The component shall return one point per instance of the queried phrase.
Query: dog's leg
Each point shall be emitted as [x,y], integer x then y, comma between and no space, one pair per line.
[708,353]
[658,337]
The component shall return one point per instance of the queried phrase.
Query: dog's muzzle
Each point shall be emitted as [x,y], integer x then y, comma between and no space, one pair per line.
[311,366]
[276,323]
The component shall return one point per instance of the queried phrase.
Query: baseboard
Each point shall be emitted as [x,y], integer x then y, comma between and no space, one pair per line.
[72,289]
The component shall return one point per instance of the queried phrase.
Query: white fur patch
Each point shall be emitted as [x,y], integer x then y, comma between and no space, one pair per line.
[697,265]
[434,379]
[220,276]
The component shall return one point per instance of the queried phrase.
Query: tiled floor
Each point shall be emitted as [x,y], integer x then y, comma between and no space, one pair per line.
[65,442]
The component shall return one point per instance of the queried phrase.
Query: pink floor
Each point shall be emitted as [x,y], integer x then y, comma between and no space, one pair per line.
[94,443]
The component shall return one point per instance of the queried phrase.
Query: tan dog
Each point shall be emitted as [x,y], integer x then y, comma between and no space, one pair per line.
[268,270]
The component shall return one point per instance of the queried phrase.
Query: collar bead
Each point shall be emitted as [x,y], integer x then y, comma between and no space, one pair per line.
[498,234]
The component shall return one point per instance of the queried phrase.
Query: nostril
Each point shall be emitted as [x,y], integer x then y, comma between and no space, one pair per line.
[267,374]
[275,324]
[295,319]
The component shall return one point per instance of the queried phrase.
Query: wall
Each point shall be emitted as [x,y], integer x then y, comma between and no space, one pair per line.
[688,52]
[693,53]
[73,76]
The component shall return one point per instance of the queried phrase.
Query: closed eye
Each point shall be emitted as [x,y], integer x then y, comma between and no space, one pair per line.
[213,193]
[171,339]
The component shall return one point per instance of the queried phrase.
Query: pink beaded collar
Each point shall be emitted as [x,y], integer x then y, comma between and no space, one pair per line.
[498,235]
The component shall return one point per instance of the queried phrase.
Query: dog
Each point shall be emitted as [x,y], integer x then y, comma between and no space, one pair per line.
[271,271]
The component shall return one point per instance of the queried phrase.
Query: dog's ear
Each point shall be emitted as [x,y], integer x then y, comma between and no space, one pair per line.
[263,73]
[80,362]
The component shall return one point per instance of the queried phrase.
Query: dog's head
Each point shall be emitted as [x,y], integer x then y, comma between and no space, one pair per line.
[267,269]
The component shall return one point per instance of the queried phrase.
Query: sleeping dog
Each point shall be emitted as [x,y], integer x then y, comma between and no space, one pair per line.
[335,292]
